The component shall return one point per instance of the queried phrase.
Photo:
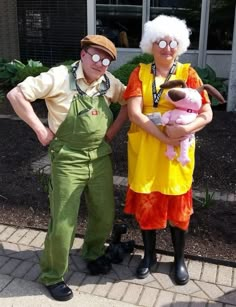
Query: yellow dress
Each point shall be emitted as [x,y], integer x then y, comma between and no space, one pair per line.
[149,169]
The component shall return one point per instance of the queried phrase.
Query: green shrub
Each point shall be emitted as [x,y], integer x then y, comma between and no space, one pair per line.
[208,76]
[123,73]
[7,71]
[115,109]
[142,58]
[26,72]
[66,63]
[15,71]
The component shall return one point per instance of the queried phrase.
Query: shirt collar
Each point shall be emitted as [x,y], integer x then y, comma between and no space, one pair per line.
[80,74]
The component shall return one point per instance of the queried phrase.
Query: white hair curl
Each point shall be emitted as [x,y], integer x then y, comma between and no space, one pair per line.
[163,26]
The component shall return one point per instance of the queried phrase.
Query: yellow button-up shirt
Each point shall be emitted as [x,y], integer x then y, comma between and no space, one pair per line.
[57,87]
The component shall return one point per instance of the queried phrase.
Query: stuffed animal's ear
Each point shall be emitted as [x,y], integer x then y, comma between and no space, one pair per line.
[211,90]
[173,83]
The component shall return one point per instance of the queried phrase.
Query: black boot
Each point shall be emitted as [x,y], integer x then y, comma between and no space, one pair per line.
[117,250]
[180,270]
[149,241]
[101,265]
[119,229]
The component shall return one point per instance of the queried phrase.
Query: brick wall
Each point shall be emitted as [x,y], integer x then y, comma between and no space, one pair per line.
[50,31]
[9,45]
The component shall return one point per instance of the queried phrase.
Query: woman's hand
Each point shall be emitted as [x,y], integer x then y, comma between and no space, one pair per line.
[172,141]
[204,117]
[175,131]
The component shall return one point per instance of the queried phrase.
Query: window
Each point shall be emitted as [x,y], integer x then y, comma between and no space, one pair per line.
[221,22]
[33,24]
[183,9]
[120,21]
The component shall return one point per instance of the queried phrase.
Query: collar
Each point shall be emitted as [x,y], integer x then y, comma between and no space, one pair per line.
[188,110]
[80,74]
[77,76]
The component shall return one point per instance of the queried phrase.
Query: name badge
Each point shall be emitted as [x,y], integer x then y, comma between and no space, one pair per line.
[155,118]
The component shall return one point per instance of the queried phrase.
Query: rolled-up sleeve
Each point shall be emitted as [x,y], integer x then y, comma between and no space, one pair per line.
[194,81]
[134,87]
[45,85]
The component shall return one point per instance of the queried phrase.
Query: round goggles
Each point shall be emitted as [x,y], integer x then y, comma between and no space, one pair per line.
[162,44]
[96,58]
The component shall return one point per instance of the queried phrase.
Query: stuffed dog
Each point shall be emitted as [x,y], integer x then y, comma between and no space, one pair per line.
[187,102]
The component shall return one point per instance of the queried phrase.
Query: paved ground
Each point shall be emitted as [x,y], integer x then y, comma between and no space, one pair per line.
[20,249]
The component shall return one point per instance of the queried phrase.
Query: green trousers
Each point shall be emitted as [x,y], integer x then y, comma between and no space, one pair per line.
[73,173]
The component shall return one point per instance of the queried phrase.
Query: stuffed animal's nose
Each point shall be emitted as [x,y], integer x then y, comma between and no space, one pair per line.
[176,95]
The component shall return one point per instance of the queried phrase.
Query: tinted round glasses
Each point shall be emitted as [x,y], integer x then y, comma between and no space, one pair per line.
[96,58]
[162,44]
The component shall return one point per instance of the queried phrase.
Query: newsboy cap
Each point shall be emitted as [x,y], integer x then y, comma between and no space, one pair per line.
[100,42]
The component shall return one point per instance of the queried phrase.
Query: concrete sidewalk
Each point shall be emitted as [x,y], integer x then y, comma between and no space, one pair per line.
[20,248]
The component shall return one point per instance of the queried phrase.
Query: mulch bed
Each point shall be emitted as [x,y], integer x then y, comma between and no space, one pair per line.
[212,232]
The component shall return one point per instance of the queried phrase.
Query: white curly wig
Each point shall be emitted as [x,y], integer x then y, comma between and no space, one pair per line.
[163,26]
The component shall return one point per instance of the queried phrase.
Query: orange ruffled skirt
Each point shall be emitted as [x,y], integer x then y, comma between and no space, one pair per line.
[154,210]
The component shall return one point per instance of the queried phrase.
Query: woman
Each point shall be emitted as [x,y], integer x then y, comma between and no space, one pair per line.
[159,189]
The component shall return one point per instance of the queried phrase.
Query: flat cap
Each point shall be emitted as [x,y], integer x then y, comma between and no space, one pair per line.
[100,42]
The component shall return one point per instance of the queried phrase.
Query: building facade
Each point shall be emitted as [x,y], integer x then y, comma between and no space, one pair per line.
[50,31]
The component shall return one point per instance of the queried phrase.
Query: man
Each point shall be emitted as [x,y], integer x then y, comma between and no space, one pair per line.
[80,129]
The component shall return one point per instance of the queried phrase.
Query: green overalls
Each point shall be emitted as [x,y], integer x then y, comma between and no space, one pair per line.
[80,162]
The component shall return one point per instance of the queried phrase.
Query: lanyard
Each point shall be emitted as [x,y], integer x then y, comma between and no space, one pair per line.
[81,92]
[157,95]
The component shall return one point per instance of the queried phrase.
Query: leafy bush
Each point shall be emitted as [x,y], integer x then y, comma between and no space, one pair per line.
[123,73]
[15,71]
[115,109]
[66,62]
[26,72]
[8,70]
[142,58]
[208,76]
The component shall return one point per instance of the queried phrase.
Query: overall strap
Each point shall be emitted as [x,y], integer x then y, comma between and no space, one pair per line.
[104,87]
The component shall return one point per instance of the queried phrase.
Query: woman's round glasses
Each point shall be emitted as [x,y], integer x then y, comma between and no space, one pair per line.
[162,44]
[96,58]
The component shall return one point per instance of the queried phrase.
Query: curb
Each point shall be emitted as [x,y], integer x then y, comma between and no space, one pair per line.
[43,167]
